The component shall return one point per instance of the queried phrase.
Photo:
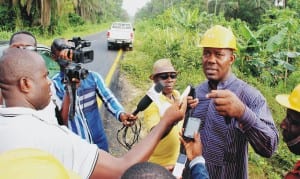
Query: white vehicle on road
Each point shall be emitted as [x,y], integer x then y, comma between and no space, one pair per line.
[120,34]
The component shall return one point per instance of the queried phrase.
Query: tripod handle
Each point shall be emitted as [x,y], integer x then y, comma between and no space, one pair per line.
[72,101]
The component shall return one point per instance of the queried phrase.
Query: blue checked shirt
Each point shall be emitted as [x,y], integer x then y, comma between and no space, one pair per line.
[87,121]
[225,147]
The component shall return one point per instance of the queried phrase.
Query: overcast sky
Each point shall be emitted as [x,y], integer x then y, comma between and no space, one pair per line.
[131,6]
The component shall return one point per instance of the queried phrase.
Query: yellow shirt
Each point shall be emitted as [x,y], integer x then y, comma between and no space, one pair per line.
[167,150]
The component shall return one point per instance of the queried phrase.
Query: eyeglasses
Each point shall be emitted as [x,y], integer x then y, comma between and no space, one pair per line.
[165,76]
[31,48]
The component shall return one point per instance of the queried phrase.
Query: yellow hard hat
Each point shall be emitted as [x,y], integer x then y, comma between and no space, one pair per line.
[218,37]
[32,163]
[291,101]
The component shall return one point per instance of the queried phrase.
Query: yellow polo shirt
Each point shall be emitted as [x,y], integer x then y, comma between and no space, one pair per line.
[167,151]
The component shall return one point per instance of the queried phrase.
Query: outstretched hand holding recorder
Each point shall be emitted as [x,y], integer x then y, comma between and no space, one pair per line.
[191,125]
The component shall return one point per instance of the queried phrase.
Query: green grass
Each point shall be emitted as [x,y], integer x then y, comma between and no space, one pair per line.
[68,33]
[74,32]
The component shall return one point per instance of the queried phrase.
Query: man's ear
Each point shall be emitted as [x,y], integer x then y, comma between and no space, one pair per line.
[232,58]
[25,84]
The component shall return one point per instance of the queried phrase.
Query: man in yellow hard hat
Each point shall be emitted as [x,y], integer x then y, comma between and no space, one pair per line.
[233,113]
[290,126]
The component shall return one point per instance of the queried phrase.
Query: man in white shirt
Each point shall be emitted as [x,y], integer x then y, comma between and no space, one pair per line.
[26,40]
[26,88]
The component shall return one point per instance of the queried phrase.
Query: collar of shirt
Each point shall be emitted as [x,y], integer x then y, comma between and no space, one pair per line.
[175,96]
[224,84]
[15,111]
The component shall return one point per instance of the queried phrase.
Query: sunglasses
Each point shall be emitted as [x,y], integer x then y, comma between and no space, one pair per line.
[165,76]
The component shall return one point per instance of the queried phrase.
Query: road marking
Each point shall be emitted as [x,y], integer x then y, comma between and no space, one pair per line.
[110,75]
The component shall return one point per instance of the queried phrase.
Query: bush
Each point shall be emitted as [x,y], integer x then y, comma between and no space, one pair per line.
[7,17]
[75,20]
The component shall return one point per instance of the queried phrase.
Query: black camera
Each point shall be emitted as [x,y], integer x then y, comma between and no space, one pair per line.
[77,45]
[81,55]
[74,70]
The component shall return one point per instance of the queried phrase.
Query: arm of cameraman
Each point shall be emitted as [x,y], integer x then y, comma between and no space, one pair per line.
[65,108]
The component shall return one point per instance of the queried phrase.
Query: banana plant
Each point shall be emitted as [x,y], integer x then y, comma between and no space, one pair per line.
[189,19]
[283,37]
[249,46]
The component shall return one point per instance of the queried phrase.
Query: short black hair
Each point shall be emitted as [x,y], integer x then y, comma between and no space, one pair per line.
[147,170]
[22,32]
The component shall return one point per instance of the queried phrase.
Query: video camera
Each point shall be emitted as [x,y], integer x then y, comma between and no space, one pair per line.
[79,54]
[73,69]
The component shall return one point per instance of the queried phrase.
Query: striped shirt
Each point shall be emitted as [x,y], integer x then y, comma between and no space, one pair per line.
[225,146]
[87,121]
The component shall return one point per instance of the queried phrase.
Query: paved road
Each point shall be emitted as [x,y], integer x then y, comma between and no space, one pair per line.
[103,59]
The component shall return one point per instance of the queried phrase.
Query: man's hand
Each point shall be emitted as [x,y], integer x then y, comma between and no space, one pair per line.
[227,103]
[193,148]
[60,49]
[66,54]
[175,112]
[170,167]
[74,81]
[192,102]
[127,119]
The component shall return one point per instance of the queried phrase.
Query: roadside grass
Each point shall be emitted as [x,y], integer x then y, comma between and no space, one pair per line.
[80,31]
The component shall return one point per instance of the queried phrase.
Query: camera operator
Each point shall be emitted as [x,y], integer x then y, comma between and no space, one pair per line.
[86,121]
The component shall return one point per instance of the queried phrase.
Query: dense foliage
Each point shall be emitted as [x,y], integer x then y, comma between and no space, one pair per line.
[49,17]
[268,57]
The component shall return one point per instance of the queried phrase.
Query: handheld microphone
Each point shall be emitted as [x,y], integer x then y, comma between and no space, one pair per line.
[148,98]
